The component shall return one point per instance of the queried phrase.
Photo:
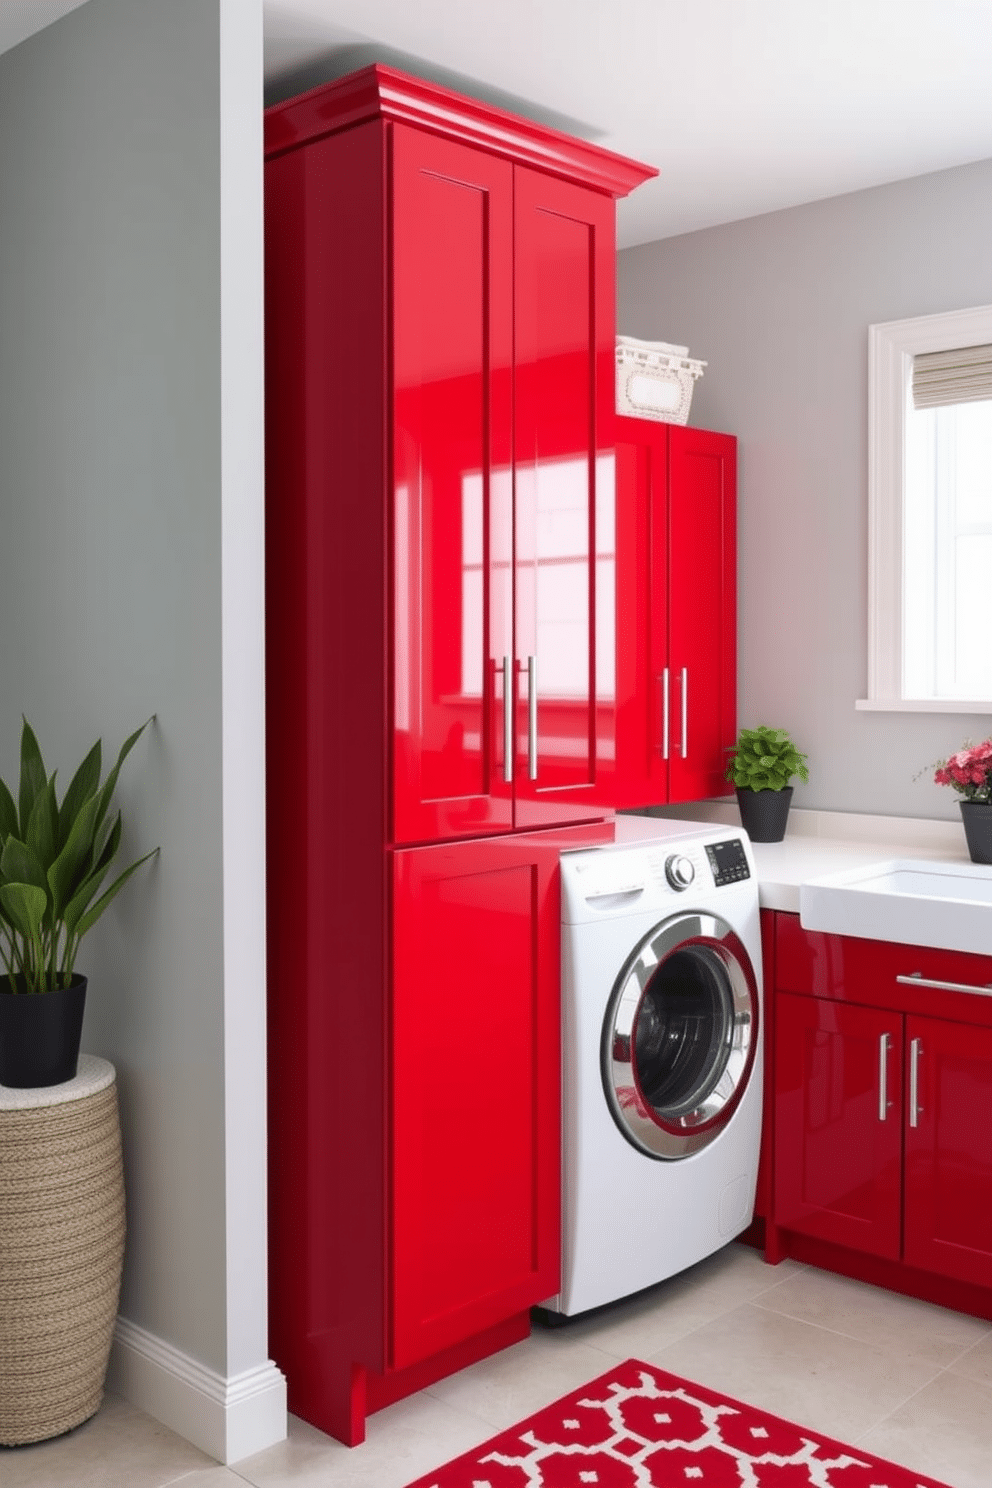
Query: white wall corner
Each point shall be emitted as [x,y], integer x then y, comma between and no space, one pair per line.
[228,1417]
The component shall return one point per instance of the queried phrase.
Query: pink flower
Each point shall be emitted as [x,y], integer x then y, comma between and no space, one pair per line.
[968,771]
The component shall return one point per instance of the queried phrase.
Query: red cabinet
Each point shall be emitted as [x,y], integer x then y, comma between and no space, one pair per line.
[676,642]
[838,1123]
[948,1193]
[439,328]
[475,1093]
[882,1108]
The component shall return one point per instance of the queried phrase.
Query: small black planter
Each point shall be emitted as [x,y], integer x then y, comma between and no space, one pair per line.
[40,1033]
[764,813]
[977,818]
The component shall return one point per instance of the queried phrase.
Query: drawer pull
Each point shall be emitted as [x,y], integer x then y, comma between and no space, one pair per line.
[917,979]
[883,1076]
[915,1050]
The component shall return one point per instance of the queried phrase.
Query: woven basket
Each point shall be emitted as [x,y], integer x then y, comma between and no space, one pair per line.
[61,1251]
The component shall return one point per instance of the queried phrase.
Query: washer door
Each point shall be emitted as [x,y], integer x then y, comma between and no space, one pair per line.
[680,1035]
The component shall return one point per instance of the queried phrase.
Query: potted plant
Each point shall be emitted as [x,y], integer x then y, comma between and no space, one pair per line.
[969,772]
[761,765]
[54,858]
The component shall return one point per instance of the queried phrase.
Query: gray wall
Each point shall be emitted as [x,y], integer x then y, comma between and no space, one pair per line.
[779,306]
[118,411]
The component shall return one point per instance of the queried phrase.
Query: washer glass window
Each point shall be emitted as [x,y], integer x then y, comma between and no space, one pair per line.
[679,1036]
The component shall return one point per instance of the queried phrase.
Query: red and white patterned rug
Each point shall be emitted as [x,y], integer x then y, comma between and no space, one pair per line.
[638,1427]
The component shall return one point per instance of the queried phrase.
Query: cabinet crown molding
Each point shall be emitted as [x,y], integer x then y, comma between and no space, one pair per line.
[379,92]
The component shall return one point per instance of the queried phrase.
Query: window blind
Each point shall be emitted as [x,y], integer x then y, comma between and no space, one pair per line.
[961,375]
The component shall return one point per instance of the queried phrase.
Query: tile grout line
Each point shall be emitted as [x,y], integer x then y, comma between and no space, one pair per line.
[865,1342]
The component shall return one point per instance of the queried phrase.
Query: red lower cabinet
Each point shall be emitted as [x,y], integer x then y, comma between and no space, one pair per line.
[475,1092]
[948,1195]
[838,1127]
[880,1146]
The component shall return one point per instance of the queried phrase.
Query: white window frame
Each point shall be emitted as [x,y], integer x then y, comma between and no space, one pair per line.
[891,348]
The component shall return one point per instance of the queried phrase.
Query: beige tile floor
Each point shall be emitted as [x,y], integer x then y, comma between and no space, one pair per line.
[905,1380]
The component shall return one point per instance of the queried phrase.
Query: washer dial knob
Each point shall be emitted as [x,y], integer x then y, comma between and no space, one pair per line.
[679,871]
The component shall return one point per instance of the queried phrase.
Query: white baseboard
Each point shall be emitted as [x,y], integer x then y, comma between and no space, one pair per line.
[228,1417]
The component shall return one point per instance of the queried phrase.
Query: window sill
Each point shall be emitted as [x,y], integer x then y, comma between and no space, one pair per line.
[923,705]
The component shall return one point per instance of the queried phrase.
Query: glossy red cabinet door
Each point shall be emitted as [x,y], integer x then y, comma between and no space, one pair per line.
[948,1183]
[564,252]
[475,1106]
[677,611]
[702,610]
[838,1122]
[452,520]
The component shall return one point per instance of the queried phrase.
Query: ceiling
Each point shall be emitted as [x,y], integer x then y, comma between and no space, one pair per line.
[745,108]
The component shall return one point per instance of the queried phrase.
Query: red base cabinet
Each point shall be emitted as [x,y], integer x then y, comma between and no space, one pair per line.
[440,282]
[475,1095]
[882,1165]
[677,611]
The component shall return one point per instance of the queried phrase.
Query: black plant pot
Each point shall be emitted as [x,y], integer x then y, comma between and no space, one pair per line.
[977,818]
[40,1033]
[764,813]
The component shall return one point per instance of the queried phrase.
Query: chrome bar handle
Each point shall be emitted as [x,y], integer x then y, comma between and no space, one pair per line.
[883,1076]
[507,719]
[915,1050]
[665,704]
[917,979]
[532,717]
[685,712]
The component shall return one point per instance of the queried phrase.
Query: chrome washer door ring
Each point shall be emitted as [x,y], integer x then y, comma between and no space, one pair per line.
[679,1037]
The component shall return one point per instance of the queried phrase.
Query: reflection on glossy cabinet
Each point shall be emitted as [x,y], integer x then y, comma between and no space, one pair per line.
[676,641]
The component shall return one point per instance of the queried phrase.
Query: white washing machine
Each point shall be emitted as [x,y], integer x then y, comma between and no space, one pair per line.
[662,1063]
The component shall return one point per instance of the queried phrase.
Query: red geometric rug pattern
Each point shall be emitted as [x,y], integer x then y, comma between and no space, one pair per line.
[638,1427]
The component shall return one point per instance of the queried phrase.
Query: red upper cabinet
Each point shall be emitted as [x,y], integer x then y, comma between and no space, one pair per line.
[452,497]
[677,611]
[440,448]
[563,476]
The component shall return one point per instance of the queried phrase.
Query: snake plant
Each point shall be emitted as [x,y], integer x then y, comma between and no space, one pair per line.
[54,858]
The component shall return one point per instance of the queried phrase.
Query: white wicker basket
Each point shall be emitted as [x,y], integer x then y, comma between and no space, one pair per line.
[655,380]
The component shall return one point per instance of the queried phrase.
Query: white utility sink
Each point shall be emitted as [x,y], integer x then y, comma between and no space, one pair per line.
[913,901]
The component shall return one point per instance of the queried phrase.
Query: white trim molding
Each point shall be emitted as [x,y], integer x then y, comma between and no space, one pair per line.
[891,348]
[228,1417]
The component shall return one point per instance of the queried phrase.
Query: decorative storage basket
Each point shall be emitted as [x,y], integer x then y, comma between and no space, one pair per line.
[61,1250]
[655,380]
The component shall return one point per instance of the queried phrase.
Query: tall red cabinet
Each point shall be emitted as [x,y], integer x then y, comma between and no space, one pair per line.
[440,634]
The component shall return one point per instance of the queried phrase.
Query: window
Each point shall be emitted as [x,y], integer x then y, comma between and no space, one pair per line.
[930,514]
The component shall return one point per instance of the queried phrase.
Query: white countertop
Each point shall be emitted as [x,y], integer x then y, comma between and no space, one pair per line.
[818,842]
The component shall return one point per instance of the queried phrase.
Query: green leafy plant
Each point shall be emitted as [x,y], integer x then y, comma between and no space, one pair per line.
[765,759]
[54,857]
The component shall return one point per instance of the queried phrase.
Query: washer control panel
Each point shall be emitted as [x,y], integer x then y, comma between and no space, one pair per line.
[728,861]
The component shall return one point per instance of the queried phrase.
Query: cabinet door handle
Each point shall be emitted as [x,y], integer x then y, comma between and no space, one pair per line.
[915,1050]
[883,1076]
[663,679]
[532,717]
[507,719]
[685,712]
[917,979]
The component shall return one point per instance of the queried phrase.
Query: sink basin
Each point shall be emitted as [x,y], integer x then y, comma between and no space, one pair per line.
[912,901]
